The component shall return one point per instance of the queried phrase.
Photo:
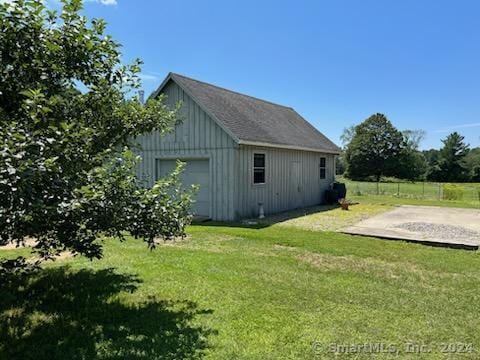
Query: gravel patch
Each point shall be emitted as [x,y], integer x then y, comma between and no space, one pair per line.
[440,231]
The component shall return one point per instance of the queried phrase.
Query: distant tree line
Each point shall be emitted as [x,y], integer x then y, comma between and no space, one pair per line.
[375,149]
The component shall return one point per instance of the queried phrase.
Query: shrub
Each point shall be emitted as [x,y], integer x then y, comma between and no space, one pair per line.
[453,192]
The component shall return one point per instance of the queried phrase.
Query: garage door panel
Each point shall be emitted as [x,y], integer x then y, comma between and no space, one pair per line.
[196,173]
[197,166]
[195,178]
[165,167]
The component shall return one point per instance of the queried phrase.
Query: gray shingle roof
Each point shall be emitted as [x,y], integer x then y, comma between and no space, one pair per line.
[254,120]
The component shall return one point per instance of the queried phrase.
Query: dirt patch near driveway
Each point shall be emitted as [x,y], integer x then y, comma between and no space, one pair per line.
[30,243]
[325,217]
[453,227]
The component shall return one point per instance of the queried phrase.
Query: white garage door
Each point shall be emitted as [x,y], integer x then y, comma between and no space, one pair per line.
[196,172]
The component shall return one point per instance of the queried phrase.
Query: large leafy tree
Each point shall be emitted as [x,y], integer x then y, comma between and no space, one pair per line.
[345,138]
[472,163]
[413,138]
[373,149]
[347,135]
[431,156]
[67,123]
[411,163]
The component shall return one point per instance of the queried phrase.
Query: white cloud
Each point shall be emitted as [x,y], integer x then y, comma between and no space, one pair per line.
[104,2]
[148,77]
[460,126]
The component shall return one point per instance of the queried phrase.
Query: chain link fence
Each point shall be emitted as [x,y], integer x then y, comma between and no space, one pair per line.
[416,190]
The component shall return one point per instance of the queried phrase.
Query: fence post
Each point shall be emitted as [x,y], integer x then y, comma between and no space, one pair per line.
[439,187]
[378,191]
[423,190]
[398,189]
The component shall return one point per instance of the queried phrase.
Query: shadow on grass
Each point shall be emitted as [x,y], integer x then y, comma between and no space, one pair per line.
[272,219]
[64,314]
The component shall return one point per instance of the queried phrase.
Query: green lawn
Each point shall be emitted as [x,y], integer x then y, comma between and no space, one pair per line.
[229,292]
[415,193]
[327,217]
[389,200]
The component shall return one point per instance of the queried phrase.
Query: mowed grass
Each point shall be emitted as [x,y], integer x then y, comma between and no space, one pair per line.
[16,252]
[412,193]
[327,217]
[390,200]
[230,292]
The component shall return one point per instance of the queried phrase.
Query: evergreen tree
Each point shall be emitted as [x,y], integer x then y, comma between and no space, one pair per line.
[451,161]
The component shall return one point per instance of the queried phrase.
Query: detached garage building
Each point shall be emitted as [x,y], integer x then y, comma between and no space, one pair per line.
[240,150]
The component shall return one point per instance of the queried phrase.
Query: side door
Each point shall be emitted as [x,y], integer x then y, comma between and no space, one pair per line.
[296,191]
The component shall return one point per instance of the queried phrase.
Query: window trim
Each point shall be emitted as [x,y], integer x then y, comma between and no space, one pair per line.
[259,167]
[324,168]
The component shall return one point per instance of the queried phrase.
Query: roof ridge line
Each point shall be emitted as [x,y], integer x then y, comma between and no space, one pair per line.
[233,91]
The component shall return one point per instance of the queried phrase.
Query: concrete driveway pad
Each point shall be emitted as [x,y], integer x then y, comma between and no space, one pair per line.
[452,227]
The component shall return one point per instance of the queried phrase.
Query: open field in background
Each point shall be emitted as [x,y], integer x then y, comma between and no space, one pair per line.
[412,193]
[396,201]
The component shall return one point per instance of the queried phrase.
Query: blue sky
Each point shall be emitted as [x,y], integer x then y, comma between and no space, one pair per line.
[335,62]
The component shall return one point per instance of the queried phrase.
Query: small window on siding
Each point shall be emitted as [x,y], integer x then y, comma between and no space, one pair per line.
[259,168]
[323,168]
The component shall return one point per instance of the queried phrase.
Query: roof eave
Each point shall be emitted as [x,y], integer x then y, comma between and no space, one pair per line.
[209,113]
[289,147]
[154,94]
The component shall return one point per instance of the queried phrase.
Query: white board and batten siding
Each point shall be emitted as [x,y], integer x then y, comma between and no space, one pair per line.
[292,180]
[224,169]
[197,139]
